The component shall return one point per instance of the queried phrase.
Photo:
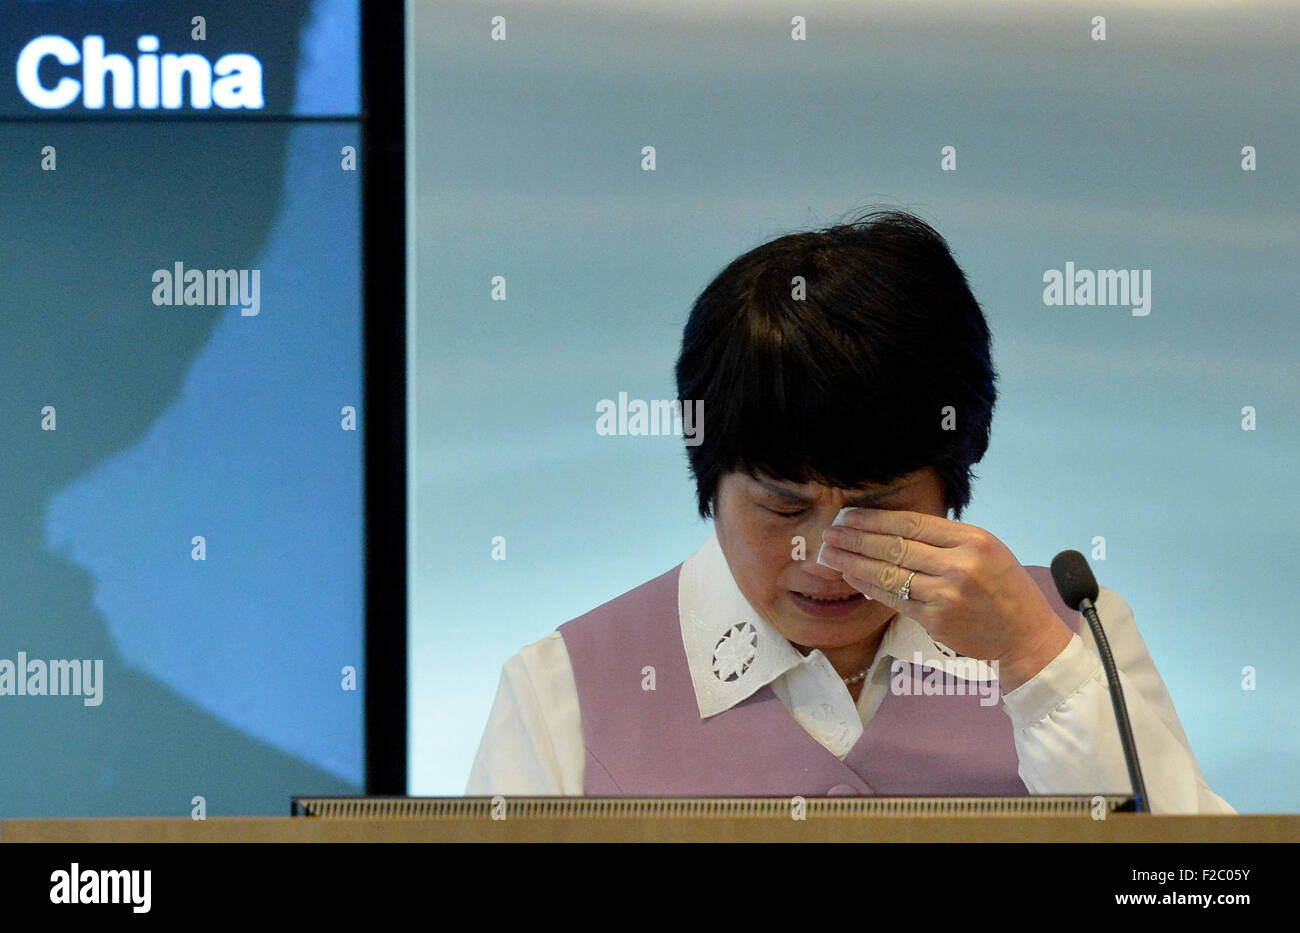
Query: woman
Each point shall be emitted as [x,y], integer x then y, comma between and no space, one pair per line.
[838,633]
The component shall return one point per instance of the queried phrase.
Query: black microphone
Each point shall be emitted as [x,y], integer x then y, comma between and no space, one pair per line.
[1078,588]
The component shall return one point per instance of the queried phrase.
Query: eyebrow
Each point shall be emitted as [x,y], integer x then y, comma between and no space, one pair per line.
[854,499]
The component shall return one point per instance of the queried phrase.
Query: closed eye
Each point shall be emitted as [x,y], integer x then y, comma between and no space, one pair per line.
[784,512]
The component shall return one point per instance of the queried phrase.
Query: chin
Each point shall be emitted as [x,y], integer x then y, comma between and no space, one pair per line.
[815,633]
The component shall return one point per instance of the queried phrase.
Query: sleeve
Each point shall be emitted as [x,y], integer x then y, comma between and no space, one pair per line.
[1065,731]
[532,745]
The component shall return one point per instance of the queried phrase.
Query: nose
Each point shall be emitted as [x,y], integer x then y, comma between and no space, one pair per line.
[816,569]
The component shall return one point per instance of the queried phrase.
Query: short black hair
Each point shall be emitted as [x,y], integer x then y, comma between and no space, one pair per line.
[847,384]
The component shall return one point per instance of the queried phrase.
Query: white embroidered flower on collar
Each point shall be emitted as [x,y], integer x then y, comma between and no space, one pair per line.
[735,651]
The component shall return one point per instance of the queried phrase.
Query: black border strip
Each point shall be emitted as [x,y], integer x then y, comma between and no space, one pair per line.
[383,262]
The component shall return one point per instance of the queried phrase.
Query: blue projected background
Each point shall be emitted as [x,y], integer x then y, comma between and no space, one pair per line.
[137,427]
[526,163]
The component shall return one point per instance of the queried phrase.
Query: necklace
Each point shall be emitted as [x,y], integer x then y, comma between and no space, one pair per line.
[861,675]
[856,678]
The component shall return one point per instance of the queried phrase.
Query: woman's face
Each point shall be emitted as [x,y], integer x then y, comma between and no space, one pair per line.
[759,522]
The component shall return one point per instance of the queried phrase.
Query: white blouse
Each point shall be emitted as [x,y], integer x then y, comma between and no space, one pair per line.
[1064,725]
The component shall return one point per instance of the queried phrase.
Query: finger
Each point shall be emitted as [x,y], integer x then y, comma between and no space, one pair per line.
[917,526]
[892,549]
[911,607]
[884,578]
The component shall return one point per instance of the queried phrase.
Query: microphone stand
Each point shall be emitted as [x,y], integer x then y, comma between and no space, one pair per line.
[1121,710]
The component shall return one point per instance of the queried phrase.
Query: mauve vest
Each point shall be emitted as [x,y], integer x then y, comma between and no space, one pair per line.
[649,743]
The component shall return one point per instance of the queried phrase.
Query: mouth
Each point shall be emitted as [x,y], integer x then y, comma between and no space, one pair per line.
[828,599]
[828,606]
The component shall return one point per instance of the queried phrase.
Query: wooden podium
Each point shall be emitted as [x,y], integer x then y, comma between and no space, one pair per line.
[625,819]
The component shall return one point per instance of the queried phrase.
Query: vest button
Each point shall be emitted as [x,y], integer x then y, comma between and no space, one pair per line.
[842,790]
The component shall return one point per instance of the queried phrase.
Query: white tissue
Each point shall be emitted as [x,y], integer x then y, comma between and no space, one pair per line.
[839,520]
